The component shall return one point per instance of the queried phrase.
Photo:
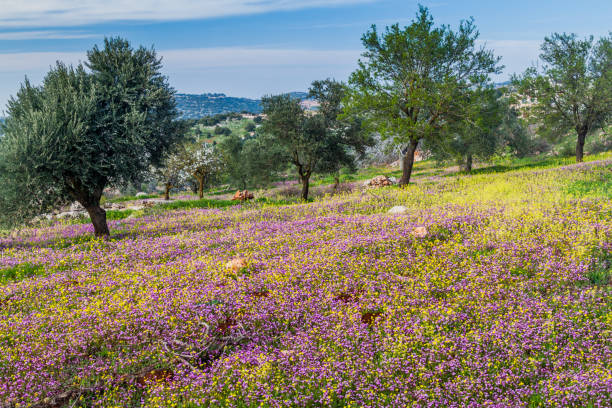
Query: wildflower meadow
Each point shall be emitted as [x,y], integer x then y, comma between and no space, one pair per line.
[490,290]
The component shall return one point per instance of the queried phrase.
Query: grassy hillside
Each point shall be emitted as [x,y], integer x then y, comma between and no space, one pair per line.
[490,290]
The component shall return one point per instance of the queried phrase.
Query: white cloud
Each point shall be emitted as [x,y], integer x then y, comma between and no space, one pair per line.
[49,13]
[44,35]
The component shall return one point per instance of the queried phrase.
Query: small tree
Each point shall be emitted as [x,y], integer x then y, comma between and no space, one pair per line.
[346,141]
[171,171]
[411,81]
[203,163]
[84,130]
[318,142]
[573,89]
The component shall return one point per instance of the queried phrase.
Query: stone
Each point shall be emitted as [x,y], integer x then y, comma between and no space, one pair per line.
[141,194]
[243,195]
[380,181]
[76,206]
[236,264]
[420,232]
[398,209]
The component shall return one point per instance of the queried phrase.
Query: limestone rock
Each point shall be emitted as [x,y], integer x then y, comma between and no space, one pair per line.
[398,209]
[236,264]
[420,232]
[380,181]
[243,195]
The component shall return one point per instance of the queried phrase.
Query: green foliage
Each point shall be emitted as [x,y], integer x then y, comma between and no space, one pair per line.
[21,271]
[476,136]
[319,142]
[201,203]
[221,130]
[573,89]
[248,161]
[600,269]
[123,199]
[81,131]
[411,82]
[216,119]
[598,184]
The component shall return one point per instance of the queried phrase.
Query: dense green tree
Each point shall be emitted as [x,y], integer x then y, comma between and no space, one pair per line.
[313,142]
[572,90]
[83,130]
[410,83]
[250,127]
[248,161]
[346,140]
[477,135]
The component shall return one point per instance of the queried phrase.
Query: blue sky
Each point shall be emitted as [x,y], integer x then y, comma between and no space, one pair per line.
[255,47]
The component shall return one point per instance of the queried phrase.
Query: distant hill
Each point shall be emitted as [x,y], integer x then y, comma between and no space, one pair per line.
[194,106]
[209,104]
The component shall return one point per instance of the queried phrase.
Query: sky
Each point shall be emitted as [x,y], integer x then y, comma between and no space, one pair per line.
[250,48]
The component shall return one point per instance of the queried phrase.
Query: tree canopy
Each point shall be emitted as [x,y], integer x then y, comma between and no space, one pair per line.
[85,128]
[572,90]
[314,142]
[411,81]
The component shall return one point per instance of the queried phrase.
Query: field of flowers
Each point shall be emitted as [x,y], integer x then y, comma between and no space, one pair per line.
[505,301]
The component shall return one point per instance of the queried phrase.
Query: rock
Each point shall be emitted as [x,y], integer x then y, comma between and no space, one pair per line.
[420,232]
[393,180]
[76,206]
[397,163]
[236,264]
[141,194]
[70,214]
[398,209]
[380,181]
[243,195]
[113,206]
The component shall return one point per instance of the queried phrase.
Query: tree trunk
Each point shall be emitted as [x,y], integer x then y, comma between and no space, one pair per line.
[201,188]
[468,163]
[336,181]
[408,162]
[580,145]
[98,219]
[305,182]
[167,192]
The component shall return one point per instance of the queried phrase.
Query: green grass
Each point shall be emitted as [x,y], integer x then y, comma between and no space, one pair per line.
[201,203]
[528,163]
[21,271]
[121,214]
[131,198]
[600,270]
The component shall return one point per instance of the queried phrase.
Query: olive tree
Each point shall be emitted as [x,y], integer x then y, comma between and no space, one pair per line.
[411,81]
[313,142]
[572,90]
[85,128]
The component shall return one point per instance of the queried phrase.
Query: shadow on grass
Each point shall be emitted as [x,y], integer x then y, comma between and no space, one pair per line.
[520,164]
